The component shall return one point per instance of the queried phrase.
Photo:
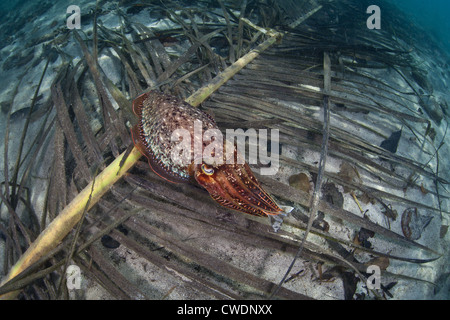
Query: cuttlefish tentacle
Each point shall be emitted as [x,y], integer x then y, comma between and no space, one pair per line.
[231,185]
[235,186]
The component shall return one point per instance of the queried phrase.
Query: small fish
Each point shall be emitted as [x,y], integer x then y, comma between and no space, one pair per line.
[231,185]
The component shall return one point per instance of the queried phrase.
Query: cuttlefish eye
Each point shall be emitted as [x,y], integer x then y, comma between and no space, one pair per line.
[208,170]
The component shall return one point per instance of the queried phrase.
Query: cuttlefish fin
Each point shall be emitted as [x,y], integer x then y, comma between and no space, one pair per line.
[137,104]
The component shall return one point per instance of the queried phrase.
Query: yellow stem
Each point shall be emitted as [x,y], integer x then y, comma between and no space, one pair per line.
[203,93]
[72,213]
[357,202]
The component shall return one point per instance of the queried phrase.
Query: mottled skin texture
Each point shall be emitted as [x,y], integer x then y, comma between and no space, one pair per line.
[159,115]
[231,185]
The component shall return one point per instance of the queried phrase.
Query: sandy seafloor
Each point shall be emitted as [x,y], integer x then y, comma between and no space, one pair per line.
[54,17]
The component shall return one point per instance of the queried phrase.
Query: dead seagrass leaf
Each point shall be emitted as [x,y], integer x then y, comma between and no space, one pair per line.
[443,231]
[300,181]
[382,262]
[349,174]
[414,223]
[423,190]
[389,212]
[366,199]
[331,194]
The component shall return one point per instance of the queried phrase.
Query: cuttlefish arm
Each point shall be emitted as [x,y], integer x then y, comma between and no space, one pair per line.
[234,186]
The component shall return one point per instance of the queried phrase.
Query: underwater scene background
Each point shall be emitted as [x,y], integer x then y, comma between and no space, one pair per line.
[431,16]
[341,110]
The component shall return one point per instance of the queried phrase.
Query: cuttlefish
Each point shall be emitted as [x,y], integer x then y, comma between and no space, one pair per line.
[232,185]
